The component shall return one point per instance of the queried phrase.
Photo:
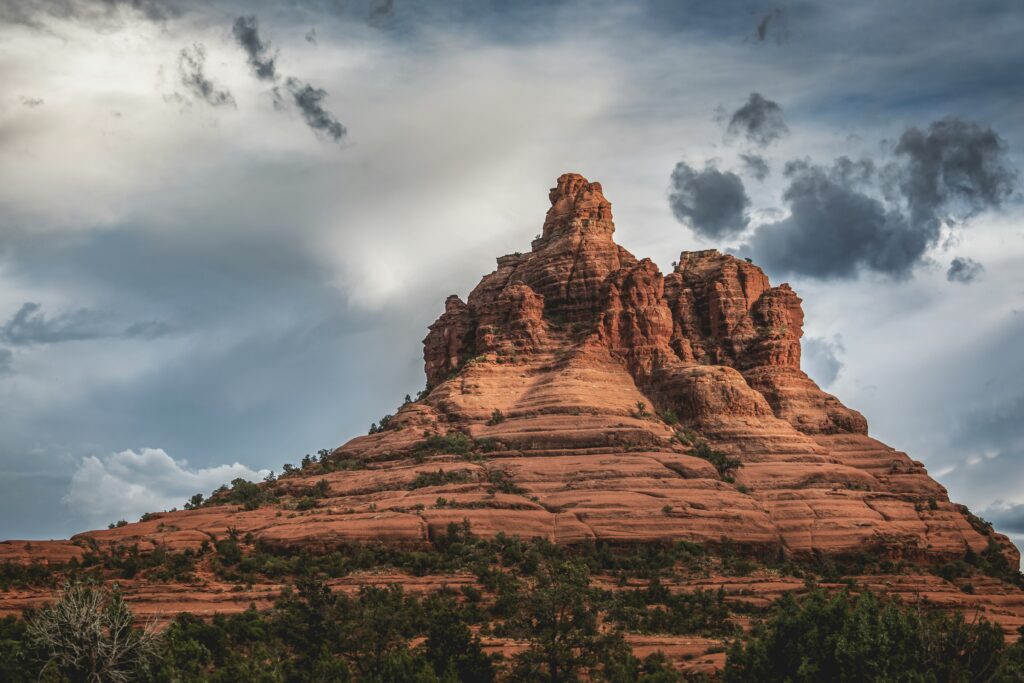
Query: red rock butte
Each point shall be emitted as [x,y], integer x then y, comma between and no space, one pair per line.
[565,369]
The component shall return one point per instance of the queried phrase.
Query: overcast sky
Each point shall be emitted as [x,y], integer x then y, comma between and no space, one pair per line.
[225,226]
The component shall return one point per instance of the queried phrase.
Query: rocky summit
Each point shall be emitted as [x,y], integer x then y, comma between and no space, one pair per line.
[581,396]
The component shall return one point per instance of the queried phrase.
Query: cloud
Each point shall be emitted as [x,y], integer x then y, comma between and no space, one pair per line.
[32,102]
[311,36]
[309,101]
[30,326]
[759,120]
[306,97]
[839,226]
[125,485]
[5,361]
[191,70]
[755,165]
[964,270]
[246,32]
[955,166]
[711,202]
[834,230]
[820,358]
[772,24]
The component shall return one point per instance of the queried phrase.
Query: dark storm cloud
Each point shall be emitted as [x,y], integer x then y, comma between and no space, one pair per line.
[30,326]
[838,226]
[834,229]
[191,70]
[247,34]
[821,359]
[860,173]
[712,203]
[963,270]
[759,120]
[954,166]
[755,165]
[309,100]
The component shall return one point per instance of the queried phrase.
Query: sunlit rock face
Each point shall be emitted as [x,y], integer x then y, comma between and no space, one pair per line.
[564,400]
[568,339]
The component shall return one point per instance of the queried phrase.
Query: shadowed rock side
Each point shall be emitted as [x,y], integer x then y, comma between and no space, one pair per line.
[568,339]
[552,398]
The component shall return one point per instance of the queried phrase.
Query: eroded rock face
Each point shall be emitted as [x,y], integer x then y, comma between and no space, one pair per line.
[565,371]
[576,334]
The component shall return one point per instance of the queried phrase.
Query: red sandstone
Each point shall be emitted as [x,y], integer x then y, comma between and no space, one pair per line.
[568,341]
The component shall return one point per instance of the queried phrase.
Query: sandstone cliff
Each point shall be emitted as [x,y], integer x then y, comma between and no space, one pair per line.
[586,351]
[579,394]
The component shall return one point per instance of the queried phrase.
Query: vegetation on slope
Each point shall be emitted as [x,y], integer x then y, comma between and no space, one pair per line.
[569,630]
[844,639]
[571,610]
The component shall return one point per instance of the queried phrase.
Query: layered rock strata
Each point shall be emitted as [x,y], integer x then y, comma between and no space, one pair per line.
[570,397]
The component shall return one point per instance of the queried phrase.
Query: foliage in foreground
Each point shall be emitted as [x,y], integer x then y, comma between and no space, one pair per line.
[312,633]
[843,639]
[532,592]
[87,635]
[382,635]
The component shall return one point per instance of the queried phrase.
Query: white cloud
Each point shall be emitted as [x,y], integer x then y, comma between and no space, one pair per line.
[124,485]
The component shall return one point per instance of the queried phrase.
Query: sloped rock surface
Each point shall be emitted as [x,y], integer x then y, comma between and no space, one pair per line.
[568,398]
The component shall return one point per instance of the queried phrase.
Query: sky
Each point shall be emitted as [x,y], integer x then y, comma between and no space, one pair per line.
[225,226]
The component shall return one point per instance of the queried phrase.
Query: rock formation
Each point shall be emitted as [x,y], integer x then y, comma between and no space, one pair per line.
[579,394]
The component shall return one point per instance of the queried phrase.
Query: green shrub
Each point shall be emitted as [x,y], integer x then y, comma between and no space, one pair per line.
[453,443]
[725,465]
[669,417]
[384,424]
[245,493]
[439,478]
[500,481]
[540,593]
[15,574]
[844,639]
